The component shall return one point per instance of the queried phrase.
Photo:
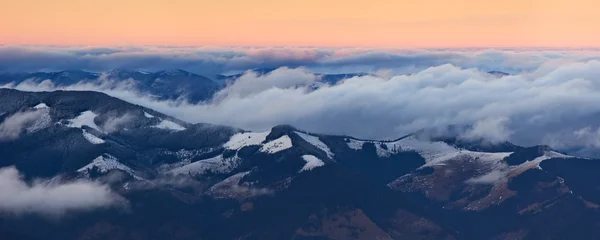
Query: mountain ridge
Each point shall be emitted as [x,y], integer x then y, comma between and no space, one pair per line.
[226,183]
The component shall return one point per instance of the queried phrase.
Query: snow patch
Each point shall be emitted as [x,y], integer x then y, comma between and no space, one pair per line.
[148,115]
[354,144]
[91,138]
[216,165]
[316,142]
[166,124]
[106,163]
[41,106]
[311,162]
[84,119]
[240,140]
[277,145]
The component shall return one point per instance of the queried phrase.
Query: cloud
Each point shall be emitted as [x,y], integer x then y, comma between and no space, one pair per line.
[544,106]
[115,123]
[52,198]
[488,178]
[493,130]
[15,124]
[252,83]
[214,60]
[589,136]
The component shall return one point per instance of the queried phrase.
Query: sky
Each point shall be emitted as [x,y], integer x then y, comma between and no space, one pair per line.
[332,23]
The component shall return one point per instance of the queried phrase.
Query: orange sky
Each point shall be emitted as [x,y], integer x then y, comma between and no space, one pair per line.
[373,23]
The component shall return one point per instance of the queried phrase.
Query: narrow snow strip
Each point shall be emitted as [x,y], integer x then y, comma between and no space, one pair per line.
[216,165]
[227,183]
[316,142]
[148,115]
[166,124]
[41,106]
[535,163]
[504,171]
[277,145]
[311,162]
[240,140]
[430,151]
[91,138]
[84,119]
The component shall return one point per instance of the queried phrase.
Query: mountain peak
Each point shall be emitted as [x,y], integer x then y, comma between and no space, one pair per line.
[174,72]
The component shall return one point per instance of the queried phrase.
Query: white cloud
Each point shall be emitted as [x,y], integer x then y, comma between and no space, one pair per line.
[113,124]
[13,125]
[252,83]
[493,130]
[488,178]
[52,198]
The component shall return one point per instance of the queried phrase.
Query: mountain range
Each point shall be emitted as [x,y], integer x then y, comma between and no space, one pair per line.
[164,85]
[173,84]
[203,181]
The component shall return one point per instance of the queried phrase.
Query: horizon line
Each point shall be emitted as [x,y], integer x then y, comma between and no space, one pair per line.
[302,46]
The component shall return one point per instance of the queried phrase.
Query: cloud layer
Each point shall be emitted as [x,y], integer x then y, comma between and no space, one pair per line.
[554,103]
[51,198]
[13,125]
[213,60]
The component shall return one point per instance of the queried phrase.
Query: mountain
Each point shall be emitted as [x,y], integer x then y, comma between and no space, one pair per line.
[175,84]
[499,73]
[168,84]
[67,77]
[328,78]
[203,181]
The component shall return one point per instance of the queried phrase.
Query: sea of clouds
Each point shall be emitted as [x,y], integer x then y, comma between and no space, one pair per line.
[551,96]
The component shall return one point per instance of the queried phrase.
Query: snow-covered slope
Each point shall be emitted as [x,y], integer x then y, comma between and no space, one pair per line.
[92,138]
[42,121]
[241,140]
[277,145]
[41,106]
[216,164]
[316,142]
[106,163]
